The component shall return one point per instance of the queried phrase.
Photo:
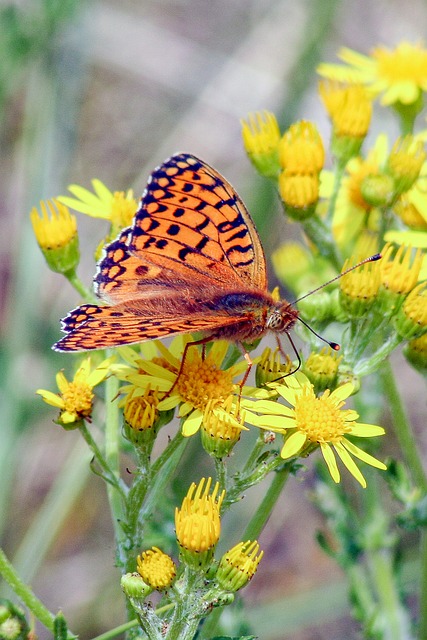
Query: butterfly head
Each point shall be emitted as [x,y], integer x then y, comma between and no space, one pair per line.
[281,317]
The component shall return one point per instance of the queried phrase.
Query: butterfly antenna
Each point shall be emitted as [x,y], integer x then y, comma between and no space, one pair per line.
[376,256]
[334,345]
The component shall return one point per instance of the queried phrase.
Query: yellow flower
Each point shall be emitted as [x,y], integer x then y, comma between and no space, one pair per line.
[261,136]
[156,568]
[75,399]
[200,380]
[405,161]
[221,430]
[321,368]
[57,236]
[116,207]
[400,74]
[410,214]
[198,523]
[239,565]
[400,272]
[359,288]
[411,320]
[299,193]
[301,149]
[416,352]
[270,368]
[350,110]
[316,421]
[351,206]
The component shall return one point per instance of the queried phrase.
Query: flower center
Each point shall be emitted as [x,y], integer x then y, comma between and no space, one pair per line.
[78,398]
[201,381]
[320,418]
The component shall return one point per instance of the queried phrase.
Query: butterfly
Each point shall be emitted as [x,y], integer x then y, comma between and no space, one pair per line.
[192,261]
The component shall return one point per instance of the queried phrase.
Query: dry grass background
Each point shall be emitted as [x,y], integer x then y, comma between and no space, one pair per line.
[110,92]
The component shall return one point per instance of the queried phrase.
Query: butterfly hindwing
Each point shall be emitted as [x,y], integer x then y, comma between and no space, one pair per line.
[118,325]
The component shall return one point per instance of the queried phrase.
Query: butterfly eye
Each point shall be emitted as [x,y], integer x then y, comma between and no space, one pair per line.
[281,319]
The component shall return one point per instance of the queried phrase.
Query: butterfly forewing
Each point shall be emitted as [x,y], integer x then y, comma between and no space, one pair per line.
[191,217]
[192,261]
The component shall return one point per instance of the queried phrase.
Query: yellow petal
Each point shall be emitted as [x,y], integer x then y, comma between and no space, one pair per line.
[169,403]
[343,392]
[51,398]
[99,374]
[362,430]
[102,191]
[350,464]
[270,407]
[275,423]
[362,455]
[192,424]
[293,445]
[61,381]
[185,409]
[329,457]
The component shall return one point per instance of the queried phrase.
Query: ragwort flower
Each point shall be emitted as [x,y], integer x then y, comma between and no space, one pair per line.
[118,207]
[316,421]
[399,74]
[75,399]
[199,382]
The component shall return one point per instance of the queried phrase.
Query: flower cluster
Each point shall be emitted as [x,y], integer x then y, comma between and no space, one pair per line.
[363,229]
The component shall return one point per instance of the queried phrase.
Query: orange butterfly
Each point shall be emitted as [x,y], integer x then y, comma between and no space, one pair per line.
[192,261]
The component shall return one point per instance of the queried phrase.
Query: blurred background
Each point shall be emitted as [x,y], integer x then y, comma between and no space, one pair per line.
[108,90]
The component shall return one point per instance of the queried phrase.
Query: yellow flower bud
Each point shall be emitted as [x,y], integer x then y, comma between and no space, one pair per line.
[405,161]
[57,236]
[300,194]
[198,524]
[238,565]
[411,319]
[301,149]
[156,568]
[261,138]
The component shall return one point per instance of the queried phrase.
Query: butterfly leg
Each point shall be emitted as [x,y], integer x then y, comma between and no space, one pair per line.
[248,370]
[194,343]
[285,355]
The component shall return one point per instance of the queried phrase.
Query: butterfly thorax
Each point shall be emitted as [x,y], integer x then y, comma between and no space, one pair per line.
[281,317]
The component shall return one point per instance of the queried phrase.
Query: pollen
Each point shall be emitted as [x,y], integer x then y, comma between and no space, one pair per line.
[156,568]
[320,419]
[78,398]
[202,380]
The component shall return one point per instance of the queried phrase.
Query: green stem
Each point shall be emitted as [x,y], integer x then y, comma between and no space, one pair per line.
[319,234]
[175,444]
[395,618]
[78,285]
[113,633]
[108,474]
[371,364]
[112,439]
[221,473]
[409,449]
[422,623]
[26,595]
[402,427]
[262,514]
[254,455]
[339,172]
